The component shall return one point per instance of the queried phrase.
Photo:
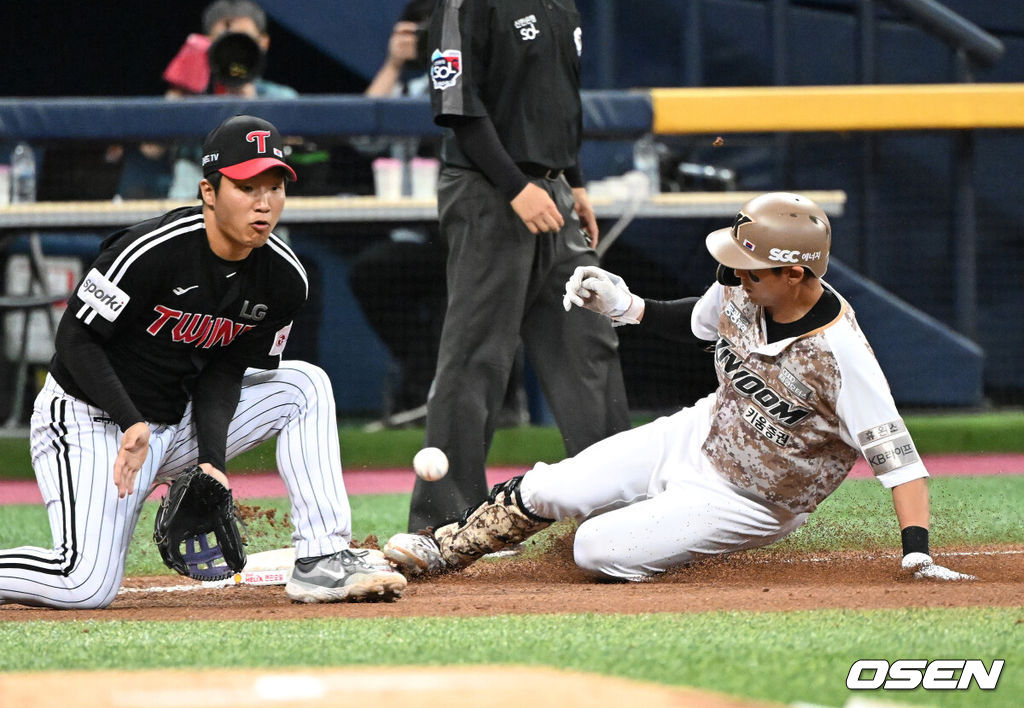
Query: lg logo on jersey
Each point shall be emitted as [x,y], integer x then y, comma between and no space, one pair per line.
[256,312]
[908,674]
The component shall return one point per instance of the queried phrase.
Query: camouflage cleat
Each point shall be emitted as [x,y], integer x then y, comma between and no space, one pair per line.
[499,521]
[496,523]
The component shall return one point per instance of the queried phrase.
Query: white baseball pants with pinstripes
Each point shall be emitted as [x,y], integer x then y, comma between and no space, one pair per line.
[74,446]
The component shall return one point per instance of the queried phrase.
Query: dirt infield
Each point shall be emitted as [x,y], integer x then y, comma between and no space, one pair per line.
[451,687]
[552,584]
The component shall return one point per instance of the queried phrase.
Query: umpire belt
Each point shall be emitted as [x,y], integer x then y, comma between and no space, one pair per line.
[532,169]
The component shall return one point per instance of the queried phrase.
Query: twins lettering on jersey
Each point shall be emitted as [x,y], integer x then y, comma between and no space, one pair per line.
[195,328]
[750,385]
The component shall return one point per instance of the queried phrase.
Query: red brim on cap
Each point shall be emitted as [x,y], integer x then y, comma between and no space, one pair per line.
[251,168]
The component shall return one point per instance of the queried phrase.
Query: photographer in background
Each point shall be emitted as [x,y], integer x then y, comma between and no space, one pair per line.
[229,58]
[407,54]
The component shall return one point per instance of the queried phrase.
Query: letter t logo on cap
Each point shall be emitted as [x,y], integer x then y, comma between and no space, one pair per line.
[260,138]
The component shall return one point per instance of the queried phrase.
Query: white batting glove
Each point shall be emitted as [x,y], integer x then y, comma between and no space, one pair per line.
[604,293]
[924,568]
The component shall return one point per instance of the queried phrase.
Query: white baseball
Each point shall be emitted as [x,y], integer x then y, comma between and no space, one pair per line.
[431,464]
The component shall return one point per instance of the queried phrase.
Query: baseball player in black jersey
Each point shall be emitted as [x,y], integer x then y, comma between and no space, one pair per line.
[168,356]
[505,77]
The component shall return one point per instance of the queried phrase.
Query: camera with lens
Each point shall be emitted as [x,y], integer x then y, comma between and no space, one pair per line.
[236,59]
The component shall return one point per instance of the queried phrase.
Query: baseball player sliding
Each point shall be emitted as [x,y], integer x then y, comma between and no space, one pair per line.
[800,395]
[169,356]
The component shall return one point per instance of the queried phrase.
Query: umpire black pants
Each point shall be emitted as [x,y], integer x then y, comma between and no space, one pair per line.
[505,283]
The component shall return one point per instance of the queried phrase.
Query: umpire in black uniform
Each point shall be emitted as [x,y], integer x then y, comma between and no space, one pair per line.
[505,78]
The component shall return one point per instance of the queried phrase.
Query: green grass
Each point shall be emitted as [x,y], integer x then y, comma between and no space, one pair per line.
[796,656]
[801,656]
[523,446]
[968,511]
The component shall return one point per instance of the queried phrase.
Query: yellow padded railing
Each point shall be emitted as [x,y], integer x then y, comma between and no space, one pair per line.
[837,108]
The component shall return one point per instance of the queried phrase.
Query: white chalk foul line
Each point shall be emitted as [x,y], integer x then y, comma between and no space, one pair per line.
[280,576]
[257,577]
[828,559]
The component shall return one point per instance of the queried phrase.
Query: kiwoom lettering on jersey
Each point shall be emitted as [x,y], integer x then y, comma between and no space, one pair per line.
[195,328]
[103,296]
[748,384]
[908,674]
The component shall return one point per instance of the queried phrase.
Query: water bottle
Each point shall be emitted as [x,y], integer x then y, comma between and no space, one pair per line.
[23,174]
[647,162]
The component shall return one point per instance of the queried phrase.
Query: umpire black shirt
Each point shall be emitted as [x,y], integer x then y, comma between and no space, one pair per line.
[516,61]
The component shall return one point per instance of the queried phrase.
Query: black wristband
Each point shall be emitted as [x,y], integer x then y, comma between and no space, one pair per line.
[915,540]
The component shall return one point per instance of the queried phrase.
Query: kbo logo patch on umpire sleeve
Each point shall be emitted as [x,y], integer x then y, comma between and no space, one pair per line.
[103,296]
[445,68]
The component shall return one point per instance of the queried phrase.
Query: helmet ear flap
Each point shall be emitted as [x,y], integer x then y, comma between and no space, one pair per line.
[726,276]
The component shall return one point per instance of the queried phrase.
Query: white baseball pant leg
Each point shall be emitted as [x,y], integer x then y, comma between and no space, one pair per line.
[74,446]
[294,403]
[650,500]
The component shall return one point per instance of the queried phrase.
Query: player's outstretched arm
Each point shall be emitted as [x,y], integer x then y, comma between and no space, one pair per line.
[603,292]
[130,456]
[911,503]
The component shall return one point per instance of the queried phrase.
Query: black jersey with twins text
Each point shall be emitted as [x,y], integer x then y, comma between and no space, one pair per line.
[165,306]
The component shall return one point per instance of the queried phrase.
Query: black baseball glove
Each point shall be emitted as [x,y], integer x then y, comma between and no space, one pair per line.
[195,506]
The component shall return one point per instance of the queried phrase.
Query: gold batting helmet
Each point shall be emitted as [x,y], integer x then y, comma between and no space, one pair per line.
[775,229]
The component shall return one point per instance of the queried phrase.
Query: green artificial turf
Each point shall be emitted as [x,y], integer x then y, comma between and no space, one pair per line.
[791,657]
[966,511]
[522,446]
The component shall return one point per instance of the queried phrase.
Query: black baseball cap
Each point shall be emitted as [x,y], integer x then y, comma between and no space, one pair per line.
[242,147]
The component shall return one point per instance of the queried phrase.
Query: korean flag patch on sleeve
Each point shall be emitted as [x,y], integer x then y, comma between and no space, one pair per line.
[280,340]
